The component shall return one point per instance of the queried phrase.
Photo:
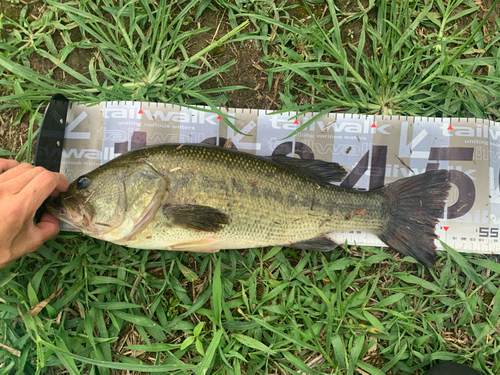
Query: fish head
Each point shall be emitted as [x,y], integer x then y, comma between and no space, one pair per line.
[112,202]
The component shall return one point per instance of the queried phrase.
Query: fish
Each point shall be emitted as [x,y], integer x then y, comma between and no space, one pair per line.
[203,198]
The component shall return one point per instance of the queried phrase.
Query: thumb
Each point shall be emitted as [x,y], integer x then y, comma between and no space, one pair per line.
[31,240]
[47,228]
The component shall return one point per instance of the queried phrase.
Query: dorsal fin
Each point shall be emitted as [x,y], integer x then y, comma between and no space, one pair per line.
[320,171]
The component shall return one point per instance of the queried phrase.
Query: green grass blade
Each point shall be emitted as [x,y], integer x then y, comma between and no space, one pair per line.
[210,353]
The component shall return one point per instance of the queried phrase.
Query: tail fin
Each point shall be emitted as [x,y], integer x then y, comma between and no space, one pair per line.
[415,204]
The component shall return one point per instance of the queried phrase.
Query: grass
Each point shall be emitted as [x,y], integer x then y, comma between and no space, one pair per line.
[80,305]
[420,65]
[257,311]
[139,55]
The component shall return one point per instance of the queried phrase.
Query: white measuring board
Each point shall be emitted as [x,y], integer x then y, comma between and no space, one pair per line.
[376,150]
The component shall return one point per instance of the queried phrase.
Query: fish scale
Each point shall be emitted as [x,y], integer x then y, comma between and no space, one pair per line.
[207,198]
[280,208]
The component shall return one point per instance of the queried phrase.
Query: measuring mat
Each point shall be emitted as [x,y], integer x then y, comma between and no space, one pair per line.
[376,150]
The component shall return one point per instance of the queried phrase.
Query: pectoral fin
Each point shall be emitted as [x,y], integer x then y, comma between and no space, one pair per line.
[195,217]
[321,243]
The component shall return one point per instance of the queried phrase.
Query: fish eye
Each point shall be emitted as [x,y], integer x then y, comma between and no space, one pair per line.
[83,182]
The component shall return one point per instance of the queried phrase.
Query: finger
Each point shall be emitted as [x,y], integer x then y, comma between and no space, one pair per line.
[34,237]
[15,172]
[6,164]
[55,193]
[41,186]
[15,180]
[62,183]
[48,227]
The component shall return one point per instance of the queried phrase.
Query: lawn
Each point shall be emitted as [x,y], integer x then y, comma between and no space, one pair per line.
[84,306]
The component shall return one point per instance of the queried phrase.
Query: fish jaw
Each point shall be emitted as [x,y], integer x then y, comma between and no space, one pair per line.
[74,213]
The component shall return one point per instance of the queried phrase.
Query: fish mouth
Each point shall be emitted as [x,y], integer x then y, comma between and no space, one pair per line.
[71,211]
[55,207]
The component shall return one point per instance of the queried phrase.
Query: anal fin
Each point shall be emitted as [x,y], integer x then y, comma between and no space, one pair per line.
[203,245]
[321,243]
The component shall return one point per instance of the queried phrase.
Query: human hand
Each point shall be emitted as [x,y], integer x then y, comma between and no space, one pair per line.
[23,188]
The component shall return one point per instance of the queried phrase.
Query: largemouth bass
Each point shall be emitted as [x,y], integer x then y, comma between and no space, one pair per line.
[204,198]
